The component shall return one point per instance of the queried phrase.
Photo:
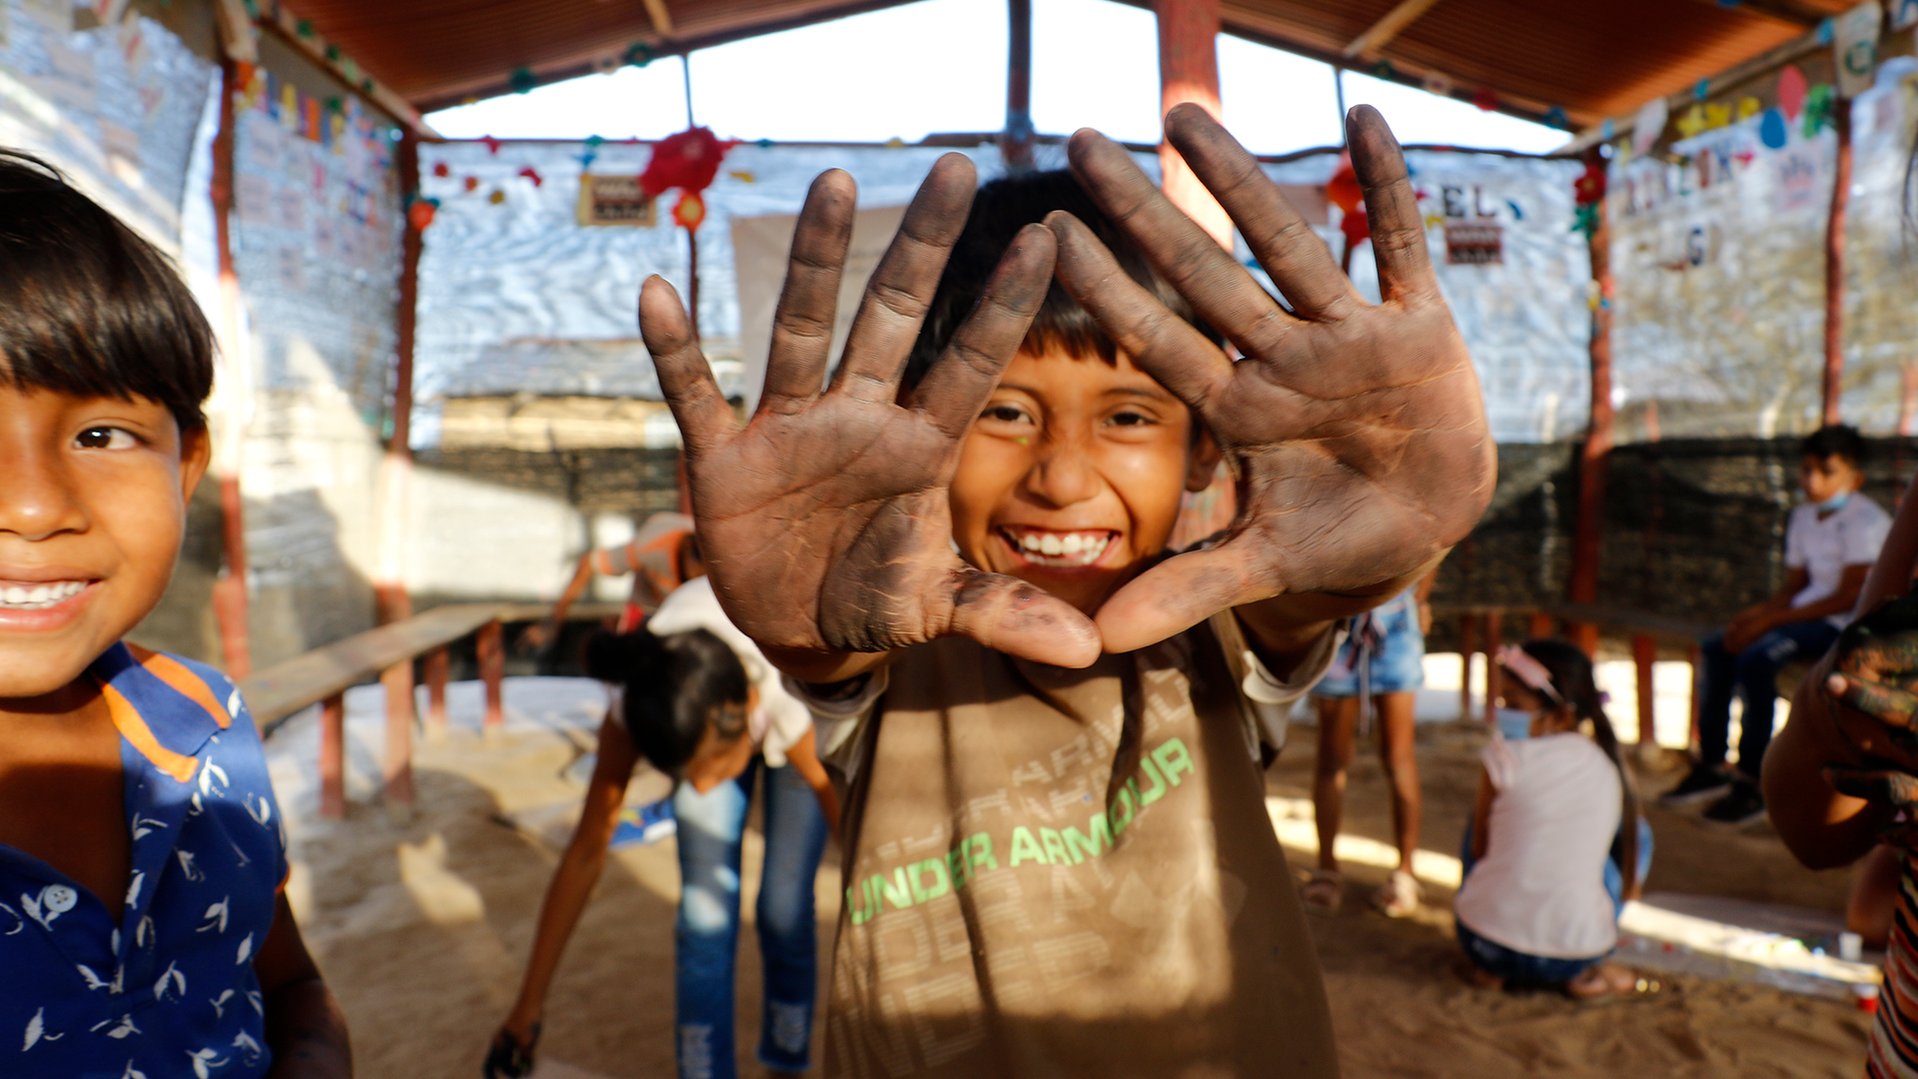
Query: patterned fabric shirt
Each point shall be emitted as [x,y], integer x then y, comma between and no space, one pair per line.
[1894,1035]
[171,990]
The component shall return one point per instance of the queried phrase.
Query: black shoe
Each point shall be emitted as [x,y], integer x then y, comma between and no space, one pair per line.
[1702,784]
[1741,807]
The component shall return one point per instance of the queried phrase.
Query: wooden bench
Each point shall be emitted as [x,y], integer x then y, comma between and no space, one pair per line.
[1646,629]
[323,675]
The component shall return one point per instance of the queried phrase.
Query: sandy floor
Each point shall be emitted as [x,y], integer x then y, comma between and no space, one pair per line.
[422,925]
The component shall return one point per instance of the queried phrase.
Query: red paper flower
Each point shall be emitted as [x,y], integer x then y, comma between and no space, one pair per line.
[1356,227]
[1589,188]
[1343,188]
[690,211]
[492,144]
[688,161]
[420,215]
[532,174]
[442,170]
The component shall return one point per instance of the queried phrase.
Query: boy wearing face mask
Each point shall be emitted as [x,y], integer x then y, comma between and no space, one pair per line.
[1830,544]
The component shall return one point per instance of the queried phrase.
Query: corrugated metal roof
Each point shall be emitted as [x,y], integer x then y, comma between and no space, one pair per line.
[1593,60]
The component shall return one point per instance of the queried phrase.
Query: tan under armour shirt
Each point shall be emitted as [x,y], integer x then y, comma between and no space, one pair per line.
[1053,872]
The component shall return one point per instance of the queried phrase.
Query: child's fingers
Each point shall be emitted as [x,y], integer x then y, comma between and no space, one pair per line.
[809,302]
[1164,345]
[1021,619]
[1298,260]
[1207,275]
[1883,702]
[1391,207]
[1885,786]
[702,412]
[955,388]
[901,289]
[1175,595]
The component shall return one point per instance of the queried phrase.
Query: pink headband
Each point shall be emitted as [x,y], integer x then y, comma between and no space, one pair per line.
[1529,671]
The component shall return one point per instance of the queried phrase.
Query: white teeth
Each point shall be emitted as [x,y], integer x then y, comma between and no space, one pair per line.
[1062,548]
[39,596]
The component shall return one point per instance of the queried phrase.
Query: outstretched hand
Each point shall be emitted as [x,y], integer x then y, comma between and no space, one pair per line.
[824,520]
[1356,431]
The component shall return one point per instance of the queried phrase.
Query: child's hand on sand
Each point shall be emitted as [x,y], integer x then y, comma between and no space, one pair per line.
[1357,431]
[824,521]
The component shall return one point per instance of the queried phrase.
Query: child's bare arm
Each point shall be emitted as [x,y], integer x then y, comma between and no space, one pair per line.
[1357,431]
[304,1025]
[824,521]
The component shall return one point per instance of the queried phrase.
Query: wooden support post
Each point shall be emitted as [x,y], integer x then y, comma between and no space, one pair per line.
[396,467]
[492,665]
[436,665]
[1015,145]
[1466,625]
[1698,667]
[1835,262]
[1644,655]
[1493,633]
[333,757]
[1542,625]
[229,592]
[1595,456]
[1189,71]
[397,765]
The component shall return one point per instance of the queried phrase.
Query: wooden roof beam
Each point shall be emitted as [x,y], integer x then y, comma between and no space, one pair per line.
[662,19]
[1394,22]
[1789,11]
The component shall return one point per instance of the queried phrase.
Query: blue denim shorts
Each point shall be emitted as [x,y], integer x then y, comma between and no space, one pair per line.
[1518,968]
[1397,663]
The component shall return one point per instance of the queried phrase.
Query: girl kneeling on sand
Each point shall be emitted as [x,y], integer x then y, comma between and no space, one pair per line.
[1556,843]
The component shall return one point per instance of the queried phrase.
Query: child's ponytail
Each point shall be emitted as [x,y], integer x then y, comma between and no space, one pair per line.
[1571,673]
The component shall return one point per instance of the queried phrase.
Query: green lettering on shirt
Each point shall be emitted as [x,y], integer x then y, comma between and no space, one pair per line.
[1173,759]
[1055,847]
[941,884]
[1025,848]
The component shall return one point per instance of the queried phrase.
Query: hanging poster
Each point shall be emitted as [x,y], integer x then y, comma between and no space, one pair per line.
[1855,48]
[55,15]
[615,200]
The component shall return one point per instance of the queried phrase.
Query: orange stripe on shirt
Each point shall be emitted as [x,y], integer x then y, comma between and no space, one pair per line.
[182,681]
[133,727]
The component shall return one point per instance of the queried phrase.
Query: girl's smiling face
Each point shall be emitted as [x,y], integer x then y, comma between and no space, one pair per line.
[92,510]
[1073,474]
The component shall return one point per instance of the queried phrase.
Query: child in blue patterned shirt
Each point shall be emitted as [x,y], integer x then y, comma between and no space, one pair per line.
[143,924]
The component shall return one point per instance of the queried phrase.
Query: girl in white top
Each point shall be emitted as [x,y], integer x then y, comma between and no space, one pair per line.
[694,696]
[1556,843]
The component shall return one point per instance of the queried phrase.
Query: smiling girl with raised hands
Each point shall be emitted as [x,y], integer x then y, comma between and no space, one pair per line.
[1058,859]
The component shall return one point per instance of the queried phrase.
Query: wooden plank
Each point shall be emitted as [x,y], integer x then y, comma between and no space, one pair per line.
[1380,34]
[1644,654]
[314,676]
[492,665]
[436,665]
[333,758]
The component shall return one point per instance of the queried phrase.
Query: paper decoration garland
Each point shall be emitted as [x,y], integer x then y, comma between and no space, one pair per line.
[1818,108]
[1774,130]
[688,160]
[1556,117]
[638,54]
[522,80]
[531,173]
[1649,125]
[1791,91]
[1486,100]
[442,170]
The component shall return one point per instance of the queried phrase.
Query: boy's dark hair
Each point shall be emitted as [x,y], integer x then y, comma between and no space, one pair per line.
[89,308]
[1834,440]
[674,688]
[999,210]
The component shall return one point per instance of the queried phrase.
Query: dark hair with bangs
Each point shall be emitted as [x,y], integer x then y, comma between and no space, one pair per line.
[1000,209]
[87,307]
[675,688]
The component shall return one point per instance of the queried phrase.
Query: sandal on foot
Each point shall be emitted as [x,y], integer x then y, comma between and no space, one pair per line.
[1399,896]
[1323,892]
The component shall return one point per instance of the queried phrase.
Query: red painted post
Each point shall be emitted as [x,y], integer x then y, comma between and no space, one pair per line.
[396,467]
[1467,626]
[398,763]
[1595,457]
[333,757]
[1189,71]
[1493,631]
[1644,654]
[436,664]
[1697,659]
[229,591]
[1542,625]
[1015,144]
[1835,261]
[492,665]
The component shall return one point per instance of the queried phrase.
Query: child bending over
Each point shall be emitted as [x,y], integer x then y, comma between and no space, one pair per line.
[699,702]
[144,926]
[1556,844]
[1050,732]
